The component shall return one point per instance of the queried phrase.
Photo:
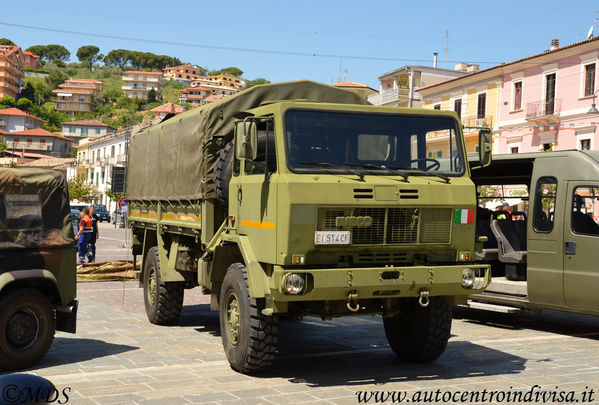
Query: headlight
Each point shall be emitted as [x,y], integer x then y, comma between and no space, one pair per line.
[467,278]
[294,284]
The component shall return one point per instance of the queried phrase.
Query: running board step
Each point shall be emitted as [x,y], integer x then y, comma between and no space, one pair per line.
[492,307]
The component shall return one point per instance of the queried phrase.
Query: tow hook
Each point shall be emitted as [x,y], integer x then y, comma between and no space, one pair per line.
[423,299]
[352,301]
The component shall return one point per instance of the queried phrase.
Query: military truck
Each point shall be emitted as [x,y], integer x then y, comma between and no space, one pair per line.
[300,199]
[37,264]
[543,256]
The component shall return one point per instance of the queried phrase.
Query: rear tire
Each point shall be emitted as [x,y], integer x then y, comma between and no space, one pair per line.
[418,334]
[163,301]
[249,337]
[27,325]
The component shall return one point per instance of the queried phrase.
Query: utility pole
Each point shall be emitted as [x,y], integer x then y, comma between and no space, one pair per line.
[446,46]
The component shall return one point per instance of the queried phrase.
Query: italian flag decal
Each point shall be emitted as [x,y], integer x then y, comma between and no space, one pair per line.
[464,216]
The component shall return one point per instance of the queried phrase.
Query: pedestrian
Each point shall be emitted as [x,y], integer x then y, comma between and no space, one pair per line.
[84,235]
[95,234]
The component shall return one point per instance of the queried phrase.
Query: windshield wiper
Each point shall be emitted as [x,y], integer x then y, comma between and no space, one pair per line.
[377,167]
[334,166]
[421,172]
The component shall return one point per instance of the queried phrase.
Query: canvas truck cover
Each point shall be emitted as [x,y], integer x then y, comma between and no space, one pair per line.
[34,210]
[175,160]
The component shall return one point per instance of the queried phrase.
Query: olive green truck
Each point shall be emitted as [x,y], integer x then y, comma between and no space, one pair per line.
[300,199]
[38,280]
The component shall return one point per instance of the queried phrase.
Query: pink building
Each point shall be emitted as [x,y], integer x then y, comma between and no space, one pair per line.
[545,100]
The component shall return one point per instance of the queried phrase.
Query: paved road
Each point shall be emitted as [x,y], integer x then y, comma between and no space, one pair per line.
[117,356]
[111,242]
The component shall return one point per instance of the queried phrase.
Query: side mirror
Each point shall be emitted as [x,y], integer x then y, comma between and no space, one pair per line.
[246,140]
[485,147]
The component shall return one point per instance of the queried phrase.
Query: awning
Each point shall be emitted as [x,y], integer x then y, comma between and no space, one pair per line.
[64,95]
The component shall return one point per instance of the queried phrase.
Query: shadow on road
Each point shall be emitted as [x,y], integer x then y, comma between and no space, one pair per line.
[75,350]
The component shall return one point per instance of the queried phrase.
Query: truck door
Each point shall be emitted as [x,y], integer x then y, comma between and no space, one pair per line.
[256,195]
[581,244]
[545,251]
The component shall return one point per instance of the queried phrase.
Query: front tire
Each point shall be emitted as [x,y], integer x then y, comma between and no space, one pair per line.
[249,337]
[163,301]
[27,325]
[418,334]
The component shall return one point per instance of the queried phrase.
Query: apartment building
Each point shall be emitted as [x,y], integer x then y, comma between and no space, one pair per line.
[399,87]
[546,100]
[475,98]
[31,61]
[228,80]
[85,128]
[195,95]
[137,84]
[182,73]
[79,96]
[11,70]
[13,119]
[359,88]
[37,140]
[163,110]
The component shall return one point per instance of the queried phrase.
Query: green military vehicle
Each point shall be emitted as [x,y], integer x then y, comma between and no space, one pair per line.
[37,264]
[300,199]
[544,255]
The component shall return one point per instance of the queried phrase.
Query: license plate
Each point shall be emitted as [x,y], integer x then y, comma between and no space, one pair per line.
[331,238]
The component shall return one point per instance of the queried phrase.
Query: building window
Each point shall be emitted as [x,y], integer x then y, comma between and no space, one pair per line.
[514,149]
[550,81]
[71,130]
[29,143]
[15,143]
[112,151]
[437,106]
[517,96]
[481,106]
[584,144]
[589,80]
[98,131]
[457,107]
[84,131]
[43,144]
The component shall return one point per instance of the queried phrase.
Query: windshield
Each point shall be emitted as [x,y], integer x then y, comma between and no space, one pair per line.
[324,141]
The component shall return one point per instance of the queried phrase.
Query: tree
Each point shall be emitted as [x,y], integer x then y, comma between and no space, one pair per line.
[56,52]
[3,146]
[152,95]
[28,92]
[89,54]
[6,41]
[39,50]
[117,57]
[7,102]
[235,71]
[24,104]
[255,82]
[79,188]
[54,78]
[114,196]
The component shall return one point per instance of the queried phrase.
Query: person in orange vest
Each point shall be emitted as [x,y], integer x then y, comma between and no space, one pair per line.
[84,236]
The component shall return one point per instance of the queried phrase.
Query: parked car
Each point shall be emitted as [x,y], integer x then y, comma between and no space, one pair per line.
[102,213]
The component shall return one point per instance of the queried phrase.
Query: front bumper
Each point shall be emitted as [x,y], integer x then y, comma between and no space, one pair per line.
[66,317]
[380,282]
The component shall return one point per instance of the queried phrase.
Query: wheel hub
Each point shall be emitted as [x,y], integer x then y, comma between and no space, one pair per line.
[23,329]
[232,318]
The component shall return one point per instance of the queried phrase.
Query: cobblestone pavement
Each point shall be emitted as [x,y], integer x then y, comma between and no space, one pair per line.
[110,246]
[117,356]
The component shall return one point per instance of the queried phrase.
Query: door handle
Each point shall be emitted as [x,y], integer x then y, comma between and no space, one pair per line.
[239,193]
[570,248]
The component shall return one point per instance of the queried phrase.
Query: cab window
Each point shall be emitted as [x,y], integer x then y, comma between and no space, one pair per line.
[585,210]
[545,197]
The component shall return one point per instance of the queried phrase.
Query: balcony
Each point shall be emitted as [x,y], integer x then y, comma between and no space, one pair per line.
[544,112]
[390,96]
[476,121]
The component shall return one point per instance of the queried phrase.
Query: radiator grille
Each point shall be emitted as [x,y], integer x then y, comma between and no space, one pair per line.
[392,226]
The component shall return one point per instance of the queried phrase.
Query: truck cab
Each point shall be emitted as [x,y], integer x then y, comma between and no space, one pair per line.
[543,250]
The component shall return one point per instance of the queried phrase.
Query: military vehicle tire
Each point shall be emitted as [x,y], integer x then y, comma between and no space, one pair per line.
[223,172]
[249,337]
[27,325]
[163,301]
[419,334]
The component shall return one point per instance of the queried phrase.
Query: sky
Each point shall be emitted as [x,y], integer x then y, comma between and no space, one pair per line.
[323,40]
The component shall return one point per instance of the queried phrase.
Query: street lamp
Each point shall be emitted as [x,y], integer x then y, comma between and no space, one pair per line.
[593,109]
